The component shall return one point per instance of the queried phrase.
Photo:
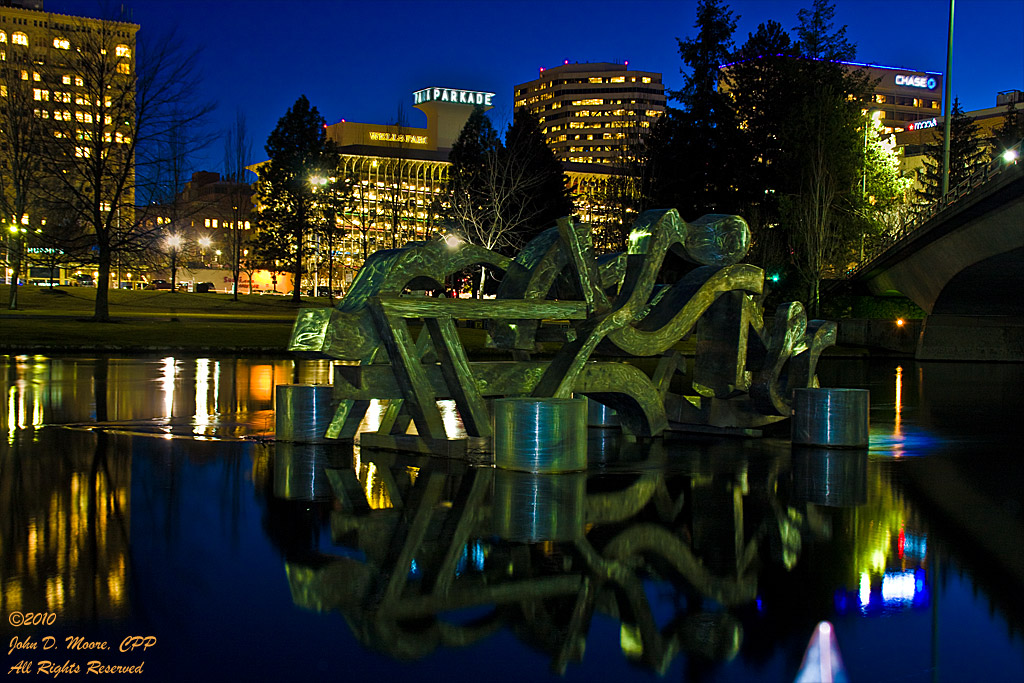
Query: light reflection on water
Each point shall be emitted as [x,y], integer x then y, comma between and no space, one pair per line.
[746,543]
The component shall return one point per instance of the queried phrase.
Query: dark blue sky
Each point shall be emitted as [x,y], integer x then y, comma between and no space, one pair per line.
[361,60]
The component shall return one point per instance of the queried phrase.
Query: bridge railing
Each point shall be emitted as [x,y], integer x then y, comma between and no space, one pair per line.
[989,172]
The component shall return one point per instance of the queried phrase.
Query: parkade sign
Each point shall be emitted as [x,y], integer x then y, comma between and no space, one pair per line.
[470,97]
[913,81]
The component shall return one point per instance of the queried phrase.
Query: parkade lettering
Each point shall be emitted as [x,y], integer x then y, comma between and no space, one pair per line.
[470,97]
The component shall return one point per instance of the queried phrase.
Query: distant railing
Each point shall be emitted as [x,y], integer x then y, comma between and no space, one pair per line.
[981,177]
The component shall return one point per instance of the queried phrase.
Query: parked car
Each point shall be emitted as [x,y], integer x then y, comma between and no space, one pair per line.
[205,288]
[159,284]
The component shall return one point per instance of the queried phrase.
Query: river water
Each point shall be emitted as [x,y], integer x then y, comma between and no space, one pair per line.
[146,512]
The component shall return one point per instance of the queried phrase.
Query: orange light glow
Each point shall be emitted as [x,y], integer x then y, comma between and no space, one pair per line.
[900,322]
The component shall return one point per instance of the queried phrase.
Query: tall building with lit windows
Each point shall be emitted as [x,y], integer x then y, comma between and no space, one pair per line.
[42,75]
[39,46]
[593,113]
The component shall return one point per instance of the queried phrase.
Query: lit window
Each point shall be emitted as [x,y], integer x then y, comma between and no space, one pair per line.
[3,37]
[122,51]
[19,39]
[24,75]
[79,81]
[3,91]
[206,223]
[215,222]
[619,79]
[36,76]
[66,79]
[247,225]
[123,68]
[645,79]
[62,43]
[3,55]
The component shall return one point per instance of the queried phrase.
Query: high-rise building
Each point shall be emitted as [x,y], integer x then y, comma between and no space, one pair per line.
[593,113]
[69,107]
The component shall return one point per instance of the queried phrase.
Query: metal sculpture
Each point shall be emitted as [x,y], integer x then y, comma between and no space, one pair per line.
[571,322]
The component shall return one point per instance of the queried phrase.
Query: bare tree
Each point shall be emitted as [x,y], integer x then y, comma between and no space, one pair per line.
[237,157]
[21,135]
[118,117]
[490,210]
[393,198]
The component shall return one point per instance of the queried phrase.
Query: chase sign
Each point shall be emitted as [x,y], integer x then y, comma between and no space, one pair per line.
[913,81]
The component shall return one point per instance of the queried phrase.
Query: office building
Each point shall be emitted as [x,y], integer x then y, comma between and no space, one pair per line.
[593,113]
[75,77]
[901,98]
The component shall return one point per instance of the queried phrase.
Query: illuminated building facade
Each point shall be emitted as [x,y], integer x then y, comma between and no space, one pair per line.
[41,70]
[903,98]
[398,174]
[593,113]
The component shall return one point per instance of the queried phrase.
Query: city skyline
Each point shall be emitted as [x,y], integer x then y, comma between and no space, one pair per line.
[361,61]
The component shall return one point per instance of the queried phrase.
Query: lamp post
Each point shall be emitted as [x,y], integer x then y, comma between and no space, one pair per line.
[204,244]
[173,243]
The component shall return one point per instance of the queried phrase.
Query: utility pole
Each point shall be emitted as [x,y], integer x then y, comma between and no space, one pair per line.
[947,96]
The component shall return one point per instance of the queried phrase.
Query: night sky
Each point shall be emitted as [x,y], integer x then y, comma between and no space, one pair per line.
[361,61]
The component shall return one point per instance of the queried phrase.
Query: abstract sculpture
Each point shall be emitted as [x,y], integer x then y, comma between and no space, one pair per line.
[612,327]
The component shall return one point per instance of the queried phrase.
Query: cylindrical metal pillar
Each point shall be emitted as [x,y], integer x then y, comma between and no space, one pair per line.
[540,434]
[303,412]
[833,418]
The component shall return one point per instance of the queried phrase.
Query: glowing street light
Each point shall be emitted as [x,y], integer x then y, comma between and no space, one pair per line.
[1010,156]
[204,244]
[174,243]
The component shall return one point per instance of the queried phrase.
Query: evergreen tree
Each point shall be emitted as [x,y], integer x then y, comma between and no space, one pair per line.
[1011,131]
[764,86]
[815,37]
[470,177]
[547,200]
[706,136]
[967,154]
[298,151]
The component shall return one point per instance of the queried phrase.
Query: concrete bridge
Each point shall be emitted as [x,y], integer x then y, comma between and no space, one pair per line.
[963,263]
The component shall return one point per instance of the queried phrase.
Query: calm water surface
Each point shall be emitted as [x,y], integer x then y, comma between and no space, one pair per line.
[145,497]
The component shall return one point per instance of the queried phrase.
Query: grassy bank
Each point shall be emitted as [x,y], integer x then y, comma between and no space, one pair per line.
[56,320]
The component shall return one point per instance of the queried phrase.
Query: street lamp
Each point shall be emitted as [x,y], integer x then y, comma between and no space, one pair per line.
[174,243]
[204,244]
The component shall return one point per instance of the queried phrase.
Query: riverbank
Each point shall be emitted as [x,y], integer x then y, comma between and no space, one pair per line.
[58,321]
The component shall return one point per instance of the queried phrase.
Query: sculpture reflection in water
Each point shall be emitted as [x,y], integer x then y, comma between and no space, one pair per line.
[566,320]
[419,541]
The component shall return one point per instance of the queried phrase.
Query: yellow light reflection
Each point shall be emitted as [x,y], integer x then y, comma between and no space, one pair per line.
[202,416]
[167,385]
[865,590]
[899,397]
